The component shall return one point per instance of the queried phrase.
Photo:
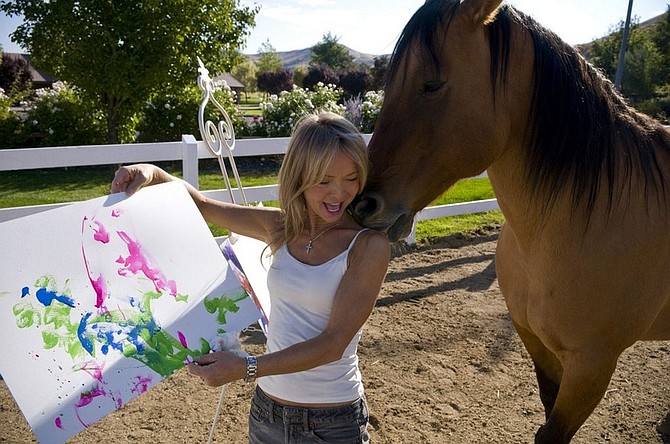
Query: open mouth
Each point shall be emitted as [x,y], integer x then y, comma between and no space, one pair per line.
[333,208]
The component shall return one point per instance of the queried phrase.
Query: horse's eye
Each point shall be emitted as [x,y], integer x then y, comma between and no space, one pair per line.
[431,87]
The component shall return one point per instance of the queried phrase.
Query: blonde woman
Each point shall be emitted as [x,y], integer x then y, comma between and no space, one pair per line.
[325,277]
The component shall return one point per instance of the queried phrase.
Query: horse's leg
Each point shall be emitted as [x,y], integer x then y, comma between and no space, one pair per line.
[514,285]
[586,375]
[548,369]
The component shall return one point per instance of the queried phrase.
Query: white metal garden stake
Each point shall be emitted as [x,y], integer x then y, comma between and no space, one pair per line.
[216,137]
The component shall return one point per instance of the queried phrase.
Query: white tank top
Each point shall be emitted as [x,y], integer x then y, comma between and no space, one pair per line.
[302,296]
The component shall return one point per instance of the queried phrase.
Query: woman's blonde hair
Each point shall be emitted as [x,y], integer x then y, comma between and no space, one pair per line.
[314,142]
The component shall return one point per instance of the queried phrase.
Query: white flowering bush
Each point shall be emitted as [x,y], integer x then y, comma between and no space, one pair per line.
[5,103]
[370,107]
[281,112]
[56,116]
[168,116]
[9,122]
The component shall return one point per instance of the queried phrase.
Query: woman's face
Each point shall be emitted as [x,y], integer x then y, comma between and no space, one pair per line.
[329,199]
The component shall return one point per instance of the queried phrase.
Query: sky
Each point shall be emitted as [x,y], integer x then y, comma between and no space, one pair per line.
[373,26]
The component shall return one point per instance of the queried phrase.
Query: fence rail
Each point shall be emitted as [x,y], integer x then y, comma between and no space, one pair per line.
[189,151]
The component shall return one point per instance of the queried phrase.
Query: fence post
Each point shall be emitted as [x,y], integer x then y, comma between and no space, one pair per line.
[189,159]
[411,238]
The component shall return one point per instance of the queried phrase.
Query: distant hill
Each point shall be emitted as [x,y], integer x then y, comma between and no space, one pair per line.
[295,58]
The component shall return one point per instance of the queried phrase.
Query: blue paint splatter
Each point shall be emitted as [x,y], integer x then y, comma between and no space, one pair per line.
[24,292]
[46,297]
[81,334]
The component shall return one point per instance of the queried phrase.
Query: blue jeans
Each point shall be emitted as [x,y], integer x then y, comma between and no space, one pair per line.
[273,423]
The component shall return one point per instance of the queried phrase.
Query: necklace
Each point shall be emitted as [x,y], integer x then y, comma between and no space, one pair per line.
[308,247]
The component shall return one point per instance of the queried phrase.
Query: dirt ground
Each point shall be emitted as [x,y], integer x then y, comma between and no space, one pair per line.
[441,362]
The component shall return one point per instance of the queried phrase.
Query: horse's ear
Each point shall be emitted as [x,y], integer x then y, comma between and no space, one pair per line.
[480,11]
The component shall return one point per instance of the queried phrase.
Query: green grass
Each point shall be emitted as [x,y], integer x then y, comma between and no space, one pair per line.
[35,187]
[464,191]
[251,106]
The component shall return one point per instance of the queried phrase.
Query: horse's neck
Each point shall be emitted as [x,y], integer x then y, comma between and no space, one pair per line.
[526,212]
[634,204]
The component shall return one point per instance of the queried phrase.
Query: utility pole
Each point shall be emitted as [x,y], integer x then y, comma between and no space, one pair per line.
[622,52]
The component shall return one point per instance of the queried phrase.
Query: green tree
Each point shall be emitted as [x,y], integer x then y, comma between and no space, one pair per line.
[661,40]
[268,60]
[14,74]
[642,62]
[378,71]
[646,73]
[123,53]
[299,73]
[246,73]
[332,54]
[604,52]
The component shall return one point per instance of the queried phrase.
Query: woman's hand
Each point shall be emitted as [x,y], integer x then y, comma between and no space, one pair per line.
[218,368]
[131,178]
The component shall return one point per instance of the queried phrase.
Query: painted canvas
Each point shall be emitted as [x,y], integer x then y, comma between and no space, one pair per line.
[103,299]
[250,260]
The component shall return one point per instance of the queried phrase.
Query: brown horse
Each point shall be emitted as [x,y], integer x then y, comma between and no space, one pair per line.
[583,259]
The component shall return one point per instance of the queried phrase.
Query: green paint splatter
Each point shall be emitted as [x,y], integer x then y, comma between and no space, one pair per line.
[224,305]
[136,334]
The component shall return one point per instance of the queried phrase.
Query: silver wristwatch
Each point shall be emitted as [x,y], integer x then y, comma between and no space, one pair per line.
[252,369]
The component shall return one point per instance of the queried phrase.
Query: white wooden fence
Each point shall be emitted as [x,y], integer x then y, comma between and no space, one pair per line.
[188,151]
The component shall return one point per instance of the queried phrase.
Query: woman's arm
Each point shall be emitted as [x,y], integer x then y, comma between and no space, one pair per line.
[256,222]
[352,306]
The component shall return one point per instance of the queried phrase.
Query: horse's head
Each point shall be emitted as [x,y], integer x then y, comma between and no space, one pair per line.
[444,114]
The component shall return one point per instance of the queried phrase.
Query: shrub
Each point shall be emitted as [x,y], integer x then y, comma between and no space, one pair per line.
[167,117]
[281,112]
[363,112]
[274,82]
[9,122]
[319,74]
[5,103]
[57,116]
[355,82]
[372,104]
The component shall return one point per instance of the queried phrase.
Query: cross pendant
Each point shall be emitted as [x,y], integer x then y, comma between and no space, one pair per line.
[308,248]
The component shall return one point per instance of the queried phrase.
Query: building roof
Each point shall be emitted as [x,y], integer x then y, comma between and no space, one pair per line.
[230,80]
[39,78]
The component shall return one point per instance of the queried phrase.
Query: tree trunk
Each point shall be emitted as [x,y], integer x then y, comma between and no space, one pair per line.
[111,111]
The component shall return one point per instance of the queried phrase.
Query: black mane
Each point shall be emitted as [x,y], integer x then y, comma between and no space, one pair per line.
[581,130]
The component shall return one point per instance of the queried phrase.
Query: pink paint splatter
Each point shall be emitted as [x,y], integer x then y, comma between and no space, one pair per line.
[99,284]
[101,234]
[141,384]
[101,291]
[94,369]
[59,422]
[182,339]
[137,262]
[116,213]
[118,400]
[86,398]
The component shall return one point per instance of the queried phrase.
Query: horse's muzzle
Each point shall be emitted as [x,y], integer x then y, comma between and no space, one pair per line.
[370,211]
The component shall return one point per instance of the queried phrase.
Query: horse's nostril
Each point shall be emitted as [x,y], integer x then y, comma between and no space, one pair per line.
[368,205]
